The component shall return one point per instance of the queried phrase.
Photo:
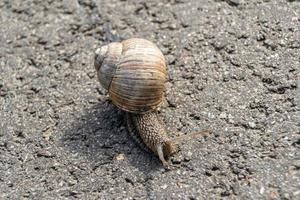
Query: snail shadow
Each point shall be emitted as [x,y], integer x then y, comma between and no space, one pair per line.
[100,135]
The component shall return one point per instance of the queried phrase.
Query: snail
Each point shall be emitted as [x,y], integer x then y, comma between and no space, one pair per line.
[134,73]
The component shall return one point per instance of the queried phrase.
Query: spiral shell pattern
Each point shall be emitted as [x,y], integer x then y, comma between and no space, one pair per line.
[134,72]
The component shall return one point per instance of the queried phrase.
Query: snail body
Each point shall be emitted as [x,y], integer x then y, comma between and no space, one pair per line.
[134,74]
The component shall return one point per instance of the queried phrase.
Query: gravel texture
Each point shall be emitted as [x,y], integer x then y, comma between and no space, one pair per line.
[233,65]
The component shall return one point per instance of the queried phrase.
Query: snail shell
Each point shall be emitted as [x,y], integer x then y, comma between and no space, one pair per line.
[134,73]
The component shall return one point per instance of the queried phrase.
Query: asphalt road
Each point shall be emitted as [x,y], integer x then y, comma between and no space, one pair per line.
[234,67]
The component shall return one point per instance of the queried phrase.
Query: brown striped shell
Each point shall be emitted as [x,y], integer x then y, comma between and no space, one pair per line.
[134,73]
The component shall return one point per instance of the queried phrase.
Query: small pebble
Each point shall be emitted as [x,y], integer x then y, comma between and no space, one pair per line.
[188,156]
[44,153]
[164,186]
[252,125]
[120,156]
[234,2]
[223,115]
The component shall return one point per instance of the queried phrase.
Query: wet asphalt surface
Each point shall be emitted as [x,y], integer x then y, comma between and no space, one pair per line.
[233,67]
